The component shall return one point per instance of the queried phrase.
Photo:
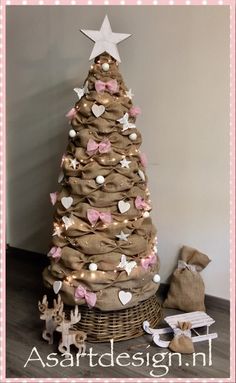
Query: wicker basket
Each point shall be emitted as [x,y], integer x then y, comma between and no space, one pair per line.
[119,325]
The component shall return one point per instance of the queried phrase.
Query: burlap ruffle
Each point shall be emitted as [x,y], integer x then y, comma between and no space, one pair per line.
[82,243]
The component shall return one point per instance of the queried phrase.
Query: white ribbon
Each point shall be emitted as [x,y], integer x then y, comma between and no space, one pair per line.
[179,332]
[184,265]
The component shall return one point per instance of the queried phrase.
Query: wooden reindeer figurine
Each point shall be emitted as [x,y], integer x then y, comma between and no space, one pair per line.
[49,315]
[70,335]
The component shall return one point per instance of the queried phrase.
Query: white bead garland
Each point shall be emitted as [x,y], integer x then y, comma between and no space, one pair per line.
[72,133]
[105,67]
[100,180]
[133,136]
[146,214]
[93,267]
[156,278]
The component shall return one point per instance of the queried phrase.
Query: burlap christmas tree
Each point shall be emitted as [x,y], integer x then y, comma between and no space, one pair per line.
[103,250]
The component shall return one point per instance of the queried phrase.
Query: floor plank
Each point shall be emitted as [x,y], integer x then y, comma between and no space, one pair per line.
[24,288]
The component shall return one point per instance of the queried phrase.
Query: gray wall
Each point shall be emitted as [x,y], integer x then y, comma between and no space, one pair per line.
[177,64]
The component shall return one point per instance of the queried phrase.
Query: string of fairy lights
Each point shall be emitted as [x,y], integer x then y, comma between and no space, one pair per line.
[77,164]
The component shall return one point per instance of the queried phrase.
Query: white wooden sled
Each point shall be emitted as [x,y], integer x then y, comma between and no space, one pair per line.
[197,318]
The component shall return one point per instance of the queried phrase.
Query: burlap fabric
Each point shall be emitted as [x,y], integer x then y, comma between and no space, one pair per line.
[82,243]
[182,341]
[187,290]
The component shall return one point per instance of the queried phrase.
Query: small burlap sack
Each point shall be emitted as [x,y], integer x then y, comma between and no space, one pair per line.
[182,341]
[187,290]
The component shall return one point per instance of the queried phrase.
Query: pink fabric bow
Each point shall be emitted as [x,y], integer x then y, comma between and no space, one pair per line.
[149,261]
[111,86]
[134,111]
[93,146]
[53,197]
[71,114]
[82,293]
[55,252]
[94,215]
[141,204]
[143,159]
[63,159]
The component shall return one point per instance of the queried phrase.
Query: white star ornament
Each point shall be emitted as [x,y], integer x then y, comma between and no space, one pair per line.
[122,236]
[105,40]
[125,163]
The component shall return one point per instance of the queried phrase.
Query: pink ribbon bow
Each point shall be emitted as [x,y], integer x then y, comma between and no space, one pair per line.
[143,159]
[63,159]
[82,293]
[94,215]
[71,114]
[141,204]
[102,147]
[149,261]
[55,252]
[111,86]
[134,111]
[53,197]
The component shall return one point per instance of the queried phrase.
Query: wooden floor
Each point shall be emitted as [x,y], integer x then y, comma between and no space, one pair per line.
[24,288]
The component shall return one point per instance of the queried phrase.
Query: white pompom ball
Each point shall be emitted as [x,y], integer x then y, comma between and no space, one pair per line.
[156,278]
[72,133]
[100,180]
[133,136]
[146,214]
[105,67]
[93,267]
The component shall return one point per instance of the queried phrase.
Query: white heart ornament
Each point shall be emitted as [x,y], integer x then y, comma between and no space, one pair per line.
[125,297]
[123,206]
[57,286]
[98,110]
[141,174]
[67,202]
[60,177]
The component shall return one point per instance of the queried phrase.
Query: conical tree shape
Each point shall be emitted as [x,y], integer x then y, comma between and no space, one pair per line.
[104,243]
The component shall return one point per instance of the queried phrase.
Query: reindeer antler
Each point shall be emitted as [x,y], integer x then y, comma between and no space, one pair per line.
[44,305]
[75,316]
[58,305]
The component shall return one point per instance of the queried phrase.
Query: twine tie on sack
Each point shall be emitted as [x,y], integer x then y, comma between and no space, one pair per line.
[179,331]
[183,265]
[182,341]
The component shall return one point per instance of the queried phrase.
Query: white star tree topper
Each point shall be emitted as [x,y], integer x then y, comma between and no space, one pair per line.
[105,40]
